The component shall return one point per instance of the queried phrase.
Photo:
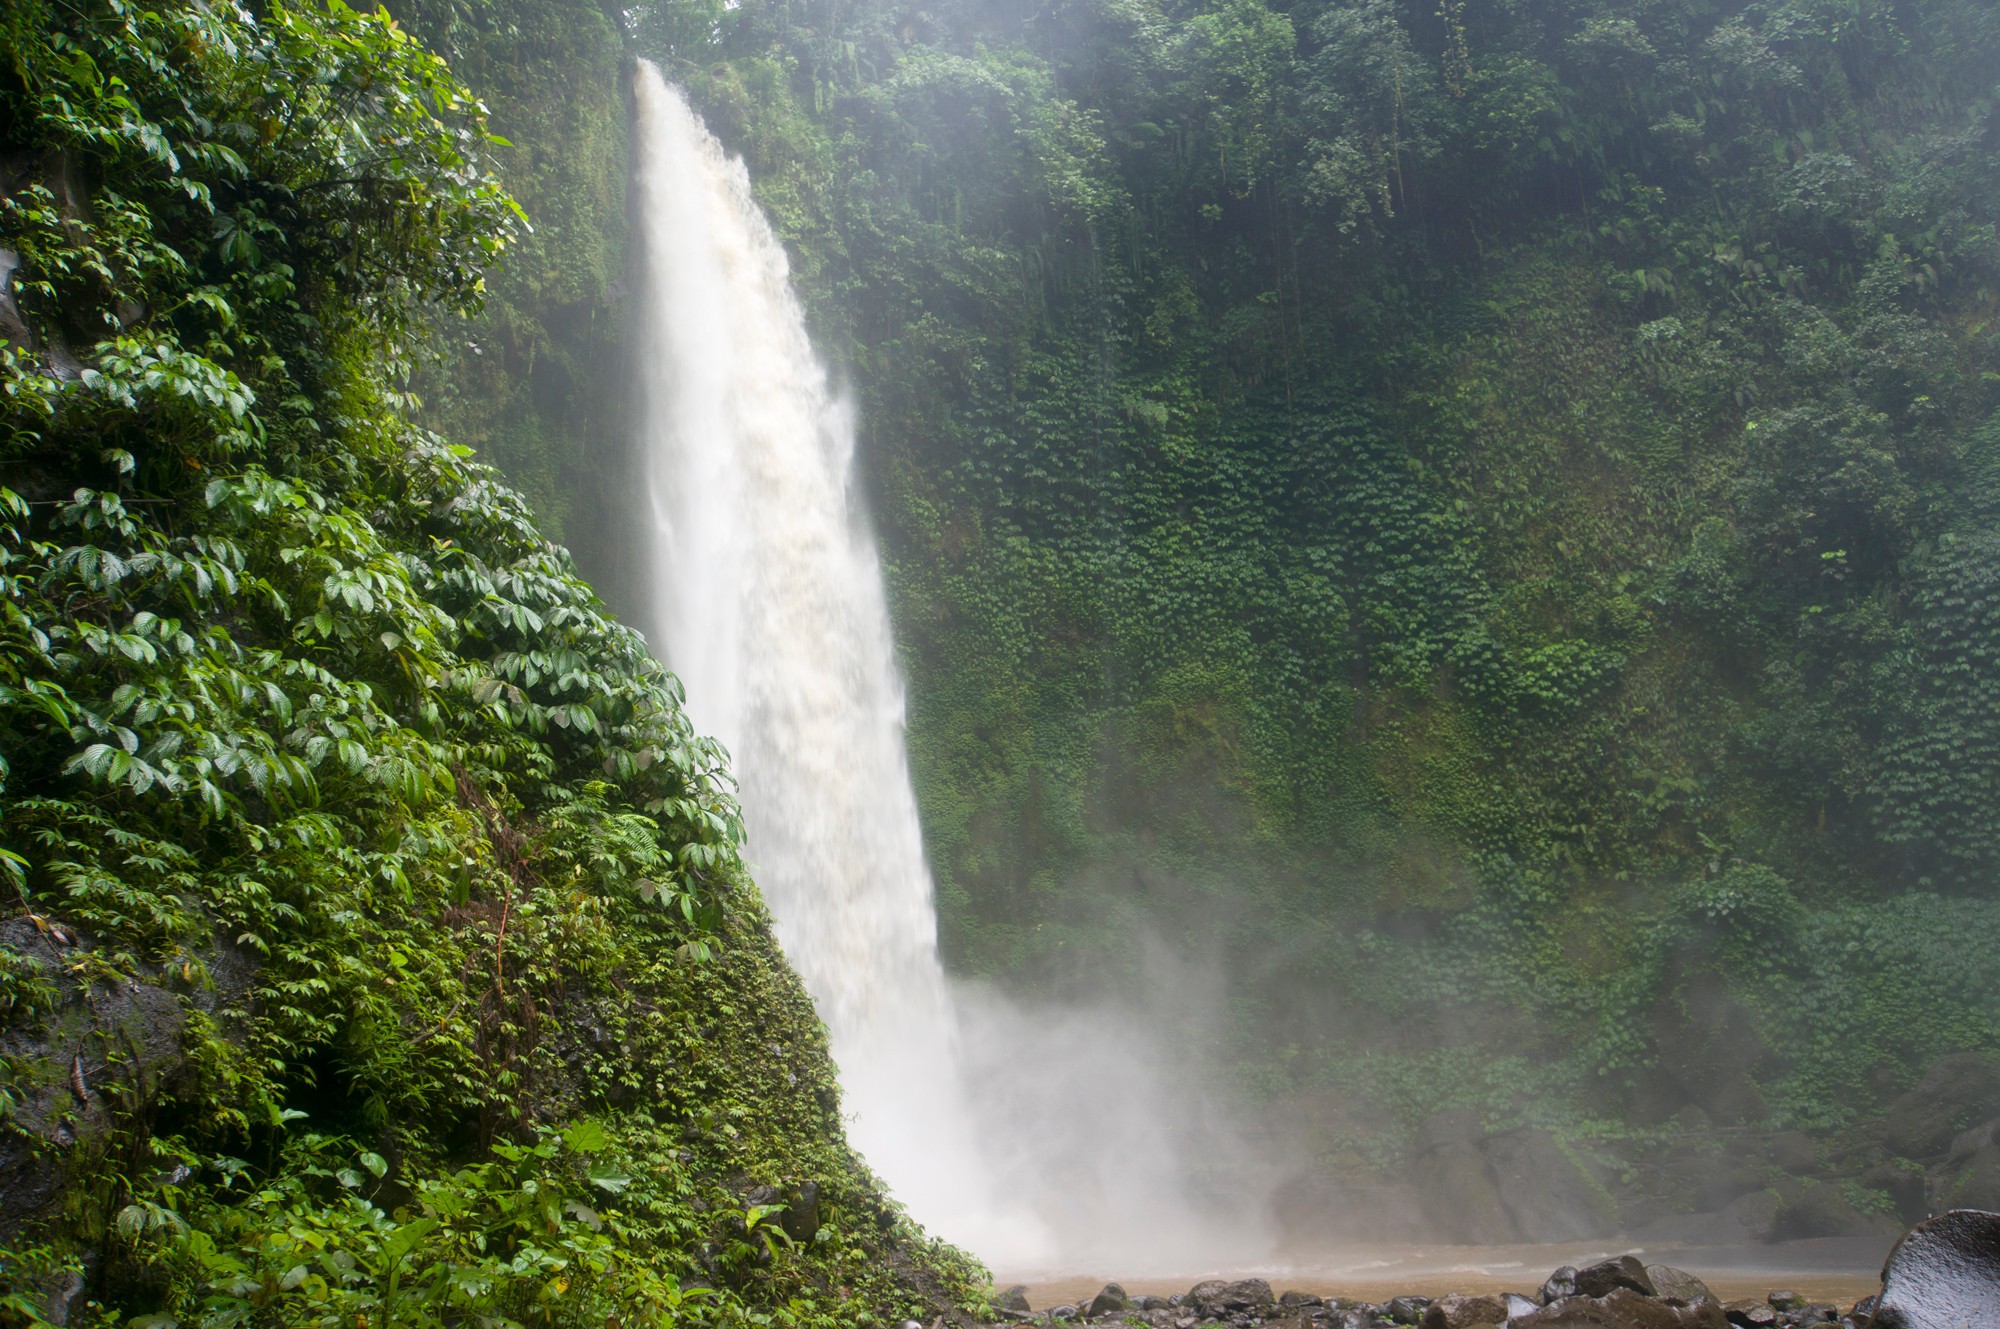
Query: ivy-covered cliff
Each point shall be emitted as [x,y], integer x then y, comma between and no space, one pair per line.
[1472,520]
[376,945]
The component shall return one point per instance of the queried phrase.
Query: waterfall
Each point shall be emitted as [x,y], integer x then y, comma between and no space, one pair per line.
[773,614]
[771,609]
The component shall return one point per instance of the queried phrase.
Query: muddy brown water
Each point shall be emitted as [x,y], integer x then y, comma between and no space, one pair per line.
[1840,1272]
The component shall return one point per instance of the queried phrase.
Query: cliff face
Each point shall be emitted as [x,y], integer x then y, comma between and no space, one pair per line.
[380,946]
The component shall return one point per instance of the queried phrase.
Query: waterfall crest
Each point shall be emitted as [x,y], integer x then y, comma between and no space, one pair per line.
[775,619]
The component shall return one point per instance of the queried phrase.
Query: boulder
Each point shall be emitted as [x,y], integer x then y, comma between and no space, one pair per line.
[1455,1184]
[800,1220]
[1785,1301]
[1546,1195]
[1677,1284]
[1218,1297]
[1752,1218]
[1606,1276]
[1110,1300]
[1622,1308]
[1462,1312]
[1944,1273]
[1405,1310]
[1014,1298]
[1825,1211]
[1750,1314]
[1297,1299]
[1952,1094]
[1560,1284]
[1969,1177]
[1794,1151]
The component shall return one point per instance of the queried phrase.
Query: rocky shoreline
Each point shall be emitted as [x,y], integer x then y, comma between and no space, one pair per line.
[1621,1293]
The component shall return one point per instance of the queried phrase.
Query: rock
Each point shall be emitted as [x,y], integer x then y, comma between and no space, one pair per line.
[1720,1187]
[1794,1151]
[1462,1312]
[1952,1094]
[1750,1314]
[1110,1300]
[1518,1305]
[909,1324]
[1455,1184]
[1149,1304]
[1221,1297]
[1298,1299]
[1943,1273]
[1604,1277]
[1405,1310]
[800,1220]
[1785,1301]
[1755,1216]
[1824,1211]
[1560,1284]
[1014,1298]
[1546,1195]
[1677,1284]
[1062,1312]
[1622,1308]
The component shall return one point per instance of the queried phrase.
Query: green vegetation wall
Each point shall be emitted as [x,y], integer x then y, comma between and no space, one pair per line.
[375,944]
[1475,519]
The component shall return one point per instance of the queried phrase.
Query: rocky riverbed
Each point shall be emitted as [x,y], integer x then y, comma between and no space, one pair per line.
[1620,1293]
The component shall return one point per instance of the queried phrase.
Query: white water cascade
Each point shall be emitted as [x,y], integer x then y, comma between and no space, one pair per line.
[774,617]
[1078,1145]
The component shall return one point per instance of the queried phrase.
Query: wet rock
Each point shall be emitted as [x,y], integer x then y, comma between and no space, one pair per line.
[1825,1211]
[1455,1183]
[1952,1094]
[1546,1195]
[1750,1314]
[1606,1276]
[1062,1312]
[800,1220]
[1290,1298]
[1560,1284]
[1942,1274]
[1219,1297]
[1785,1301]
[1110,1300]
[1752,1218]
[1404,1310]
[1014,1298]
[1462,1312]
[1518,1305]
[1794,1151]
[1969,1177]
[1677,1284]
[1622,1308]
[1150,1304]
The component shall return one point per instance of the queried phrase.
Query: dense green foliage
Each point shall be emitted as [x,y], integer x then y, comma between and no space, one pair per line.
[1474,518]
[469,1012]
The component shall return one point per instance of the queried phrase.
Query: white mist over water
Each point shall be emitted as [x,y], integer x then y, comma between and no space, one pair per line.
[771,609]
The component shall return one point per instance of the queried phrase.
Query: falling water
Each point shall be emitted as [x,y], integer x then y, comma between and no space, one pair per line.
[771,609]
[774,617]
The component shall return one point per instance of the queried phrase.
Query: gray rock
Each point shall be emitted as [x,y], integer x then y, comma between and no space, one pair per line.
[1794,1151]
[1606,1276]
[1110,1300]
[1677,1284]
[1404,1310]
[1224,1297]
[1944,1273]
[1953,1093]
[1825,1211]
[1518,1305]
[1560,1284]
[1014,1298]
[1622,1308]
[1462,1312]
[1455,1184]
[1785,1301]
[1062,1312]
[1546,1195]
[1290,1298]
